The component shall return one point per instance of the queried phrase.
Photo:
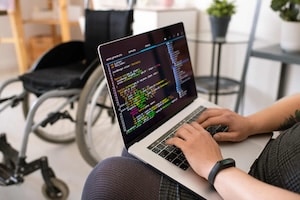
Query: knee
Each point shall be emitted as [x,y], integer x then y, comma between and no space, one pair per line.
[118,177]
[100,180]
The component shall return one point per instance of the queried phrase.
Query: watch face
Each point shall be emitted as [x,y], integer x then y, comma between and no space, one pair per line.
[229,162]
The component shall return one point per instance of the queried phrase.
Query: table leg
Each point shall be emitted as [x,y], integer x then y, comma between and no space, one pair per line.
[282,80]
[218,72]
[212,66]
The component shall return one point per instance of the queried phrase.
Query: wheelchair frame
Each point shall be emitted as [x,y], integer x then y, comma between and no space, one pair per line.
[14,165]
[95,110]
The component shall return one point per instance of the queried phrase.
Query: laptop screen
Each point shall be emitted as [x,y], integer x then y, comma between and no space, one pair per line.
[150,79]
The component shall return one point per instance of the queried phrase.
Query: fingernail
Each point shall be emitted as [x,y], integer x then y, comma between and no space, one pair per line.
[216,136]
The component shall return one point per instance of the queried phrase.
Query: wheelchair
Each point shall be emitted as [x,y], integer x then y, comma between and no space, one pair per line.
[98,135]
[59,82]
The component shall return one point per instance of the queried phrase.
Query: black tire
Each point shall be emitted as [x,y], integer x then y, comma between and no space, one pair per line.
[63,131]
[60,186]
[97,135]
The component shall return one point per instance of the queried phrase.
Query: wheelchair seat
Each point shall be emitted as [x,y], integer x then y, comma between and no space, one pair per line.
[69,65]
[64,70]
[50,75]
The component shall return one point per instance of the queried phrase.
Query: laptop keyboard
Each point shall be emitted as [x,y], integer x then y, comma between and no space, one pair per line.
[172,153]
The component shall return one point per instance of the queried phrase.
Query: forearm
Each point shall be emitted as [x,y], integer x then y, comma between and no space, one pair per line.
[273,118]
[233,183]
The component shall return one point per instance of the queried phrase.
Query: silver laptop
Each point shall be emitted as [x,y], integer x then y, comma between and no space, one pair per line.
[151,83]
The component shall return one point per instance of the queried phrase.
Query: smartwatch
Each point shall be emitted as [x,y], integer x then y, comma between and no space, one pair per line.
[219,166]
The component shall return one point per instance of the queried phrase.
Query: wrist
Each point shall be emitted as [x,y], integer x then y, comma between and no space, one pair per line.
[218,167]
[252,126]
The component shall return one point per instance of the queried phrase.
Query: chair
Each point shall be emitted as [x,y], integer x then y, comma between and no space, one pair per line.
[97,134]
[79,59]
[51,93]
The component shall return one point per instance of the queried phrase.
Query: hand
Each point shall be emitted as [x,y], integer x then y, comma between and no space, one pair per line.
[238,125]
[199,148]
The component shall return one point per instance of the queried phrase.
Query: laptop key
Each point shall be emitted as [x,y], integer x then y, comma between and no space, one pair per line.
[160,146]
[184,166]
[181,156]
[171,157]
[177,162]
[163,153]
[156,150]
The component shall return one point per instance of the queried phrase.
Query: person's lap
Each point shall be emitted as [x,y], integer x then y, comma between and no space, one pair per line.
[128,178]
[121,178]
[279,163]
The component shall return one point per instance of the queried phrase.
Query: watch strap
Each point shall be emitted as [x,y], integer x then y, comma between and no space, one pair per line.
[219,166]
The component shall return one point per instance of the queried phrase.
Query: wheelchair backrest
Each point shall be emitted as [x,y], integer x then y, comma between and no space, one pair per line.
[105,25]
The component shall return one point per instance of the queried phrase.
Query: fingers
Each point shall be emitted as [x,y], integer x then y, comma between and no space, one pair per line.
[238,126]
[181,135]
[213,116]
[188,129]
[222,137]
[228,137]
[186,132]
[176,141]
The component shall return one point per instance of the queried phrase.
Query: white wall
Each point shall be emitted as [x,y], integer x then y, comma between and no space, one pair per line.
[262,78]
[263,75]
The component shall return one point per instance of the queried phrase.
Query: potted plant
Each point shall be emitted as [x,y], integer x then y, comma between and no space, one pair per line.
[220,12]
[289,12]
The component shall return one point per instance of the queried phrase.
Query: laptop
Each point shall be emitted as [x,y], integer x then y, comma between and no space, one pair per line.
[152,88]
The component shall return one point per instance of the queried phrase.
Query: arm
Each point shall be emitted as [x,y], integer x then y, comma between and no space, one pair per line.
[278,116]
[233,183]
[202,152]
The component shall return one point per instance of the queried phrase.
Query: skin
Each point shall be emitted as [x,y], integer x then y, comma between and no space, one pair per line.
[232,183]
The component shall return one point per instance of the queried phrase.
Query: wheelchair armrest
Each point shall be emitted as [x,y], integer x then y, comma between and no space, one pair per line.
[90,69]
[61,54]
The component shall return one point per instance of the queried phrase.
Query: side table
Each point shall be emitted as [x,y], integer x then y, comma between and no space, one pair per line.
[215,84]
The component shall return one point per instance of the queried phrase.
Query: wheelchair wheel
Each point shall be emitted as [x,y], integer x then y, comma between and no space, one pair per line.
[97,134]
[62,188]
[63,130]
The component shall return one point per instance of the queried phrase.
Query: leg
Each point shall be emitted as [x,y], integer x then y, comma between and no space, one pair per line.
[279,163]
[121,178]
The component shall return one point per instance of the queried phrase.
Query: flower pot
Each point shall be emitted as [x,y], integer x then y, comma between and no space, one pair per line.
[219,26]
[167,3]
[290,36]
